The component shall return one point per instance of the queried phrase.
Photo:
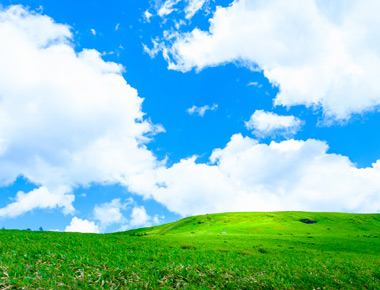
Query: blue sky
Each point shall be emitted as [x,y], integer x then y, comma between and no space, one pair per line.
[134,113]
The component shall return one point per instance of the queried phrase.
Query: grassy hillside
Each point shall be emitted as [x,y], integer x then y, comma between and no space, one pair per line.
[257,223]
[259,250]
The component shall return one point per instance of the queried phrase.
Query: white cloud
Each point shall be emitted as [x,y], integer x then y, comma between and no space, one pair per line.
[117,27]
[266,124]
[200,111]
[110,213]
[147,15]
[152,52]
[193,7]
[40,198]
[70,119]
[67,119]
[93,31]
[255,84]
[139,217]
[179,23]
[157,219]
[82,226]
[319,54]
[167,7]
[250,176]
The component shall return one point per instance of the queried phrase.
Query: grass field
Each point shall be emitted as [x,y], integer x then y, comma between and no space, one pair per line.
[259,250]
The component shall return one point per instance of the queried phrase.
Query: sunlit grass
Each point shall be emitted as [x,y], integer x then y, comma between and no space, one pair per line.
[260,250]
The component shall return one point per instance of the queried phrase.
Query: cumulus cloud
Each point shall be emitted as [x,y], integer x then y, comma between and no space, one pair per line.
[110,213]
[201,111]
[67,119]
[318,54]
[140,218]
[82,226]
[250,176]
[40,198]
[266,124]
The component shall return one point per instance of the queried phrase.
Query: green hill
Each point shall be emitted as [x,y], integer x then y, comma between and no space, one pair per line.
[257,223]
[231,250]
[333,232]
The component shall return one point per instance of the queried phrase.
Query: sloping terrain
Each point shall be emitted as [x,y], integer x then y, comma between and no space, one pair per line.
[257,223]
[280,250]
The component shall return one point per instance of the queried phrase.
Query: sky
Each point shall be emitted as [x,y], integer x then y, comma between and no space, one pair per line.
[122,114]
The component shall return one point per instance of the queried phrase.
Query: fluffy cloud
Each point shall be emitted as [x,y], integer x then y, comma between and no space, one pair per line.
[250,176]
[139,217]
[110,213]
[82,226]
[266,124]
[319,54]
[201,111]
[67,119]
[40,198]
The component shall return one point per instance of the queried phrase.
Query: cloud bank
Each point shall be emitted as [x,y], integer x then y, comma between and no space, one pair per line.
[319,54]
[67,118]
[250,176]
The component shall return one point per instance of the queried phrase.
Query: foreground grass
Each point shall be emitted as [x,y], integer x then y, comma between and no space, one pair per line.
[260,250]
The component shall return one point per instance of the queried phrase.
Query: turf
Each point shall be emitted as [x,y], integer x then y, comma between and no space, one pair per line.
[259,250]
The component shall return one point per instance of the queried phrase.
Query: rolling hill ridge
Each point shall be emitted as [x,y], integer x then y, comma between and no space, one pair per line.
[272,250]
[269,223]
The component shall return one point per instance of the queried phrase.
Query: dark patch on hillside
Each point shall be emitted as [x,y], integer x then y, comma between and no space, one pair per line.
[307,221]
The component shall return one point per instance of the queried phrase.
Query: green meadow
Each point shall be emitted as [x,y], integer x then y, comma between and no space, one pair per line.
[256,250]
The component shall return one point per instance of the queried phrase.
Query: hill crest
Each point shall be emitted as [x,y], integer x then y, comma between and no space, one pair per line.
[254,223]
